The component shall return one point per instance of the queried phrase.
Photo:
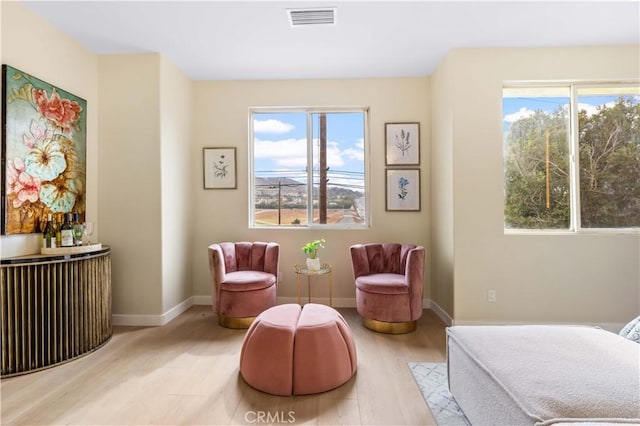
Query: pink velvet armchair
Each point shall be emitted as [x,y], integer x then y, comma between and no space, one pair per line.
[244,276]
[389,280]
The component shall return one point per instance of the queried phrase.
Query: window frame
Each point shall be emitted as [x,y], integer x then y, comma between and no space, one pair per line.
[574,157]
[309,111]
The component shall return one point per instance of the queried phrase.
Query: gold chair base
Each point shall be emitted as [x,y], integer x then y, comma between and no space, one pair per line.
[389,327]
[231,322]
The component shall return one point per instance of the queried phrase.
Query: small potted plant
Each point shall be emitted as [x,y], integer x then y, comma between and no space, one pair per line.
[311,250]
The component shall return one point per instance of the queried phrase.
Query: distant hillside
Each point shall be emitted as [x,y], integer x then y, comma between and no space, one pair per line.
[291,187]
[260,181]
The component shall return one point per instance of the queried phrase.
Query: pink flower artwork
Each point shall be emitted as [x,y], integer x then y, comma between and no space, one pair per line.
[36,134]
[25,186]
[63,112]
[44,152]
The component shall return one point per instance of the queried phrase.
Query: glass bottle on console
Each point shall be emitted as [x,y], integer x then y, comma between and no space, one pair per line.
[59,219]
[77,230]
[66,231]
[49,234]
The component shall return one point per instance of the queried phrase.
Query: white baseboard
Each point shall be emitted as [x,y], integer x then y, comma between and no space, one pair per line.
[176,310]
[152,320]
[338,302]
[441,313]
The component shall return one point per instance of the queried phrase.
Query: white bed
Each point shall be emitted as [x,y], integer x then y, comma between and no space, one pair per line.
[543,375]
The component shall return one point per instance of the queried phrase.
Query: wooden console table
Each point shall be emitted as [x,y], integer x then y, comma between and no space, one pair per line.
[54,308]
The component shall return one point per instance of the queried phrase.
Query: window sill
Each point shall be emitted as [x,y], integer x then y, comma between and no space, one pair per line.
[598,231]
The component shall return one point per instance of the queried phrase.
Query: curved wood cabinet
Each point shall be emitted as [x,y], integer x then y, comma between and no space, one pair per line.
[54,309]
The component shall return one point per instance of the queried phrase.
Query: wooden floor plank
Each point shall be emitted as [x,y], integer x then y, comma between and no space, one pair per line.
[186,373]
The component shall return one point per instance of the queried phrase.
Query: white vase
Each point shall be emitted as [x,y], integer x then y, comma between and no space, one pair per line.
[313,264]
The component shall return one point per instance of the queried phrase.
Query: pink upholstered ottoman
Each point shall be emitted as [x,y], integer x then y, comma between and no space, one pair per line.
[294,350]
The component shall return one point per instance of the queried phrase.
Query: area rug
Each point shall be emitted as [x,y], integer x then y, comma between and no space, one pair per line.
[431,378]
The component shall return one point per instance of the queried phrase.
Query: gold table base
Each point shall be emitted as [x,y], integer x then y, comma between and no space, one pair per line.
[325,269]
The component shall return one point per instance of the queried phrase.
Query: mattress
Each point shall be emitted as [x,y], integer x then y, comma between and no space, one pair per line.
[543,375]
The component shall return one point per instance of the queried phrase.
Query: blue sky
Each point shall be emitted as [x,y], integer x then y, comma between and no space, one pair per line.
[280,145]
[280,138]
[514,108]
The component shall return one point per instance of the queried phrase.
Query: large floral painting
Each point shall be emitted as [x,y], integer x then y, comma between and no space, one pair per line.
[43,152]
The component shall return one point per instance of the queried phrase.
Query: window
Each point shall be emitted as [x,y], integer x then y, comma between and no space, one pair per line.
[572,156]
[308,168]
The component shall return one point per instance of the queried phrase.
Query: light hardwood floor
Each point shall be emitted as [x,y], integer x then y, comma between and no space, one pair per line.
[186,373]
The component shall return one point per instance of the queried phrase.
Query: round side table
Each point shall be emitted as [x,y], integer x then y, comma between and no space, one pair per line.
[325,269]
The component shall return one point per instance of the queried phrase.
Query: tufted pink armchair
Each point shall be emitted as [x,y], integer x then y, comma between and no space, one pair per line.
[389,279]
[244,276]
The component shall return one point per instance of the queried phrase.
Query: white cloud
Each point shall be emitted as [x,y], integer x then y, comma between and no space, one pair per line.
[334,155]
[354,154]
[593,109]
[285,153]
[272,126]
[522,113]
[292,153]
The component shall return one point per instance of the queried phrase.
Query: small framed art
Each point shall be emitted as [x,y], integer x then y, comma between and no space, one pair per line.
[402,144]
[219,168]
[402,190]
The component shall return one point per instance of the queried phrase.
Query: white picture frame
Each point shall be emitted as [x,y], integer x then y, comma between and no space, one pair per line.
[219,168]
[402,190]
[402,144]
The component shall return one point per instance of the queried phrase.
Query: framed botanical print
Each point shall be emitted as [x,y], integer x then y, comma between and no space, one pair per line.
[403,190]
[402,144]
[44,137]
[220,168]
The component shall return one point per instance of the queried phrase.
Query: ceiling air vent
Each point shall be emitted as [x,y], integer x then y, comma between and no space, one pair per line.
[312,16]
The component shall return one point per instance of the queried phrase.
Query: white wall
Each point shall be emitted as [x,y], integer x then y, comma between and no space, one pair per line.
[442,208]
[221,119]
[130,199]
[34,46]
[176,125]
[568,278]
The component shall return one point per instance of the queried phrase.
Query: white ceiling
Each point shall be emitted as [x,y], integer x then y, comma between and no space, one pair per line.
[224,40]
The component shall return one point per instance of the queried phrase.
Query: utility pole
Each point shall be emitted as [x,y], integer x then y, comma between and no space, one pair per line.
[322,202]
[547,168]
[279,202]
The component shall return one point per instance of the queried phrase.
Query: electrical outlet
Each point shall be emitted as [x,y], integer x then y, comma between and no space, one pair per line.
[491,296]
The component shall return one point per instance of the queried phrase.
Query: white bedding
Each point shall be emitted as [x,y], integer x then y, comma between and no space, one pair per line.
[544,375]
